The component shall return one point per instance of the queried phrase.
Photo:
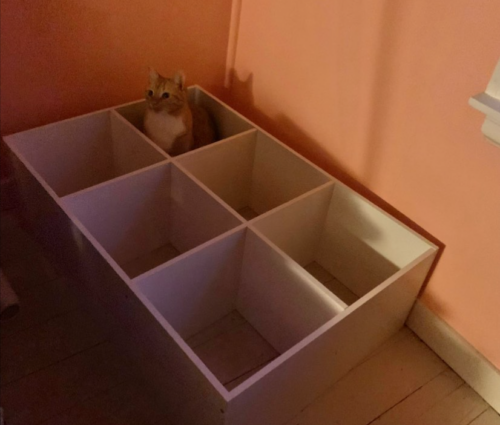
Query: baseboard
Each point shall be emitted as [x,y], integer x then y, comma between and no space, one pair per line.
[462,357]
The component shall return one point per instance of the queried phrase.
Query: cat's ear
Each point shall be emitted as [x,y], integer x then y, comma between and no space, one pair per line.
[153,75]
[180,79]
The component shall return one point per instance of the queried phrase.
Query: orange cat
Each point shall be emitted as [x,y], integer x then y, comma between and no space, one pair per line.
[170,121]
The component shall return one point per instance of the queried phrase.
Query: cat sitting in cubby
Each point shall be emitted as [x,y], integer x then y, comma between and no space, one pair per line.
[171,121]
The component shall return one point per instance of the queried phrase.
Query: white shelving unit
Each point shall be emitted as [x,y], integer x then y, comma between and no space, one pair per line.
[245,279]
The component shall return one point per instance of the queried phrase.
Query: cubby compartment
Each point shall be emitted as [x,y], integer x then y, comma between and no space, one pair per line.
[253,173]
[78,153]
[344,241]
[227,122]
[150,217]
[238,304]
[244,280]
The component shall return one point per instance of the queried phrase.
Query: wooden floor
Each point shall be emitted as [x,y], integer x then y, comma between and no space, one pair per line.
[232,349]
[151,260]
[329,281]
[59,368]
[247,213]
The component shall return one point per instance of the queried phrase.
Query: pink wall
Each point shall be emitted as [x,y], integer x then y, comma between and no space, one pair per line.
[374,90]
[378,90]
[61,58]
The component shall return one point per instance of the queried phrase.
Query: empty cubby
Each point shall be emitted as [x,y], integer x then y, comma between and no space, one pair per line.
[253,173]
[149,217]
[238,304]
[227,122]
[344,241]
[75,154]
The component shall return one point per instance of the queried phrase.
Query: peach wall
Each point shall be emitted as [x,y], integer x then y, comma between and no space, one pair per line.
[61,58]
[377,90]
[374,90]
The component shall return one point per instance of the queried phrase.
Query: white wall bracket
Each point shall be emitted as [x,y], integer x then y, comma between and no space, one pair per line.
[488,102]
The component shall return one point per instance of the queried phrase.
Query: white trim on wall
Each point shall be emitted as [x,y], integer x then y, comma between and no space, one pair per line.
[232,43]
[489,103]
[459,354]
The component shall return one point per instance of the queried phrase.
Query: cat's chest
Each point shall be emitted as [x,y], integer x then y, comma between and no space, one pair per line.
[164,128]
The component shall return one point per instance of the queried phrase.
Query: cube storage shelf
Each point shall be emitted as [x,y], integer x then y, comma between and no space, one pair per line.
[244,279]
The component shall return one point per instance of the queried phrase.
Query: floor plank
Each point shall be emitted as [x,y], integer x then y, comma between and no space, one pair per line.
[247,213]
[151,260]
[240,379]
[23,261]
[129,403]
[374,386]
[52,299]
[43,294]
[329,281]
[488,417]
[399,336]
[460,407]
[43,345]
[319,272]
[421,400]
[235,353]
[227,323]
[59,387]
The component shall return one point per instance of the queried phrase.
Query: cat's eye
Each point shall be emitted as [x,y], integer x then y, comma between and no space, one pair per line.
[165,95]
[150,93]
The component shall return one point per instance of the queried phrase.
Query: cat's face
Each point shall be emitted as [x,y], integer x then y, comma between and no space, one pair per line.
[165,94]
